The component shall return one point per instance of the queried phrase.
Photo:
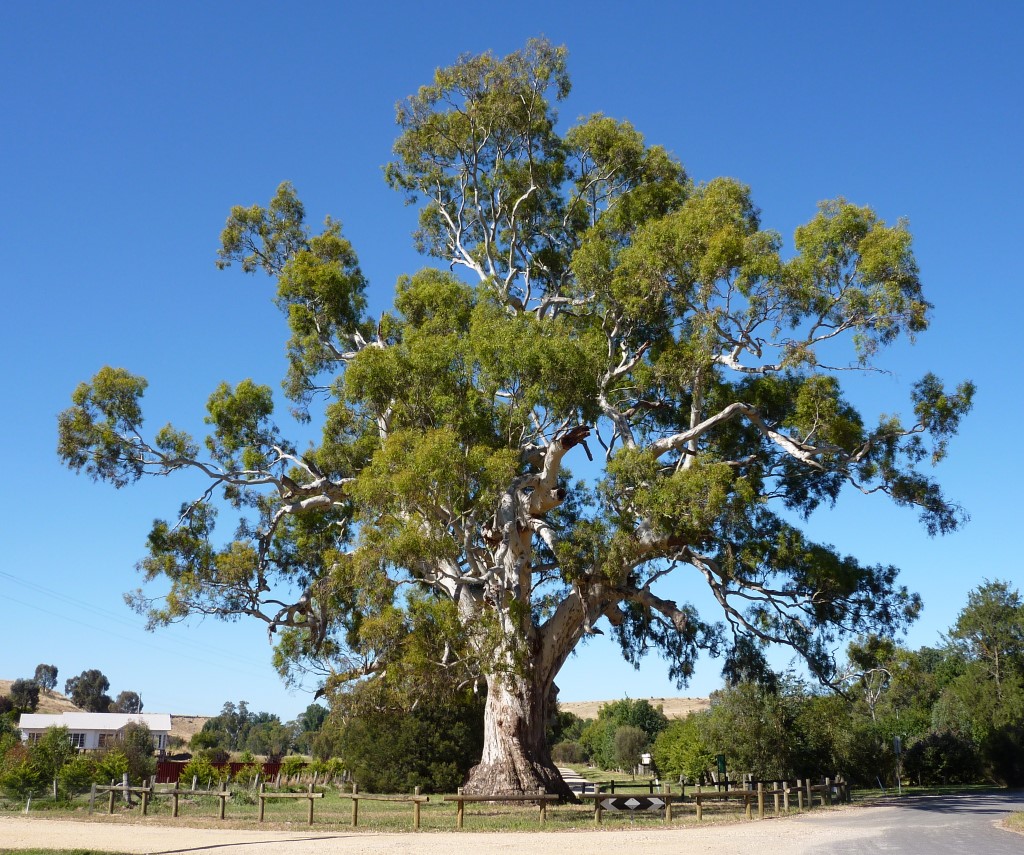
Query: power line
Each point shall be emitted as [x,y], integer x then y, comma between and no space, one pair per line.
[109,615]
[106,633]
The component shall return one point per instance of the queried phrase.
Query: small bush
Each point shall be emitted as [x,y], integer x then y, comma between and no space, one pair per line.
[200,768]
[79,772]
[247,775]
[568,752]
[112,765]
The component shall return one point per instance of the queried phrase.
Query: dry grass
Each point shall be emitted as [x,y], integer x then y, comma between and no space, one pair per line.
[51,703]
[54,703]
[187,726]
[672,707]
[334,812]
[1015,822]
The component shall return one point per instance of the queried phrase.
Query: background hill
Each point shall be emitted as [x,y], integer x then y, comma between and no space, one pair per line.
[53,703]
[672,707]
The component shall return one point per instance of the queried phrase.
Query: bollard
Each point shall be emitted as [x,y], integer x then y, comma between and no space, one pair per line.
[355,805]
[416,810]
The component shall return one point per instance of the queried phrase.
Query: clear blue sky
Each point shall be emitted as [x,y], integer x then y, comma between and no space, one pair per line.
[127,131]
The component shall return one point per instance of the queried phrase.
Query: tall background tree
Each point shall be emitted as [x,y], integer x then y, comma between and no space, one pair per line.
[127,702]
[590,298]
[46,677]
[24,694]
[89,691]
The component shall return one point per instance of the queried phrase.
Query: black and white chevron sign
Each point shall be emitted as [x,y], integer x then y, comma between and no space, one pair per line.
[632,803]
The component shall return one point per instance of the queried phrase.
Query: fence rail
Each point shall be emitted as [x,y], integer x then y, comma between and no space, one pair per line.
[801,794]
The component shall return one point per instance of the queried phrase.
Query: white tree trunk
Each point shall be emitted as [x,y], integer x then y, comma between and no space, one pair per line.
[515,756]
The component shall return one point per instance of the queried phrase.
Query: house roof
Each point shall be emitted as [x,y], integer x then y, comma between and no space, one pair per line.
[156,722]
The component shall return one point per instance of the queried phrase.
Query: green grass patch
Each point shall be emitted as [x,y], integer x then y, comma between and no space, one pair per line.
[334,813]
[57,852]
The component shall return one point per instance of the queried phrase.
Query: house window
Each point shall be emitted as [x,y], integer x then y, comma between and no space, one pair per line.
[78,740]
[34,738]
[106,740]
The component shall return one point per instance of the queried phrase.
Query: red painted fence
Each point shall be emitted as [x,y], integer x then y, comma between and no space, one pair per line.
[168,771]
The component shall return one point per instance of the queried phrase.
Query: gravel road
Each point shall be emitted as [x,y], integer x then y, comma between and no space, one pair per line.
[926,826]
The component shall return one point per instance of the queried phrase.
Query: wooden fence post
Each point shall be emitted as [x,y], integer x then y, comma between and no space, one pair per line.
[460,811]
[263,801]
[785,796]
[760,800]
[416,810]
[543,806]
[810,794]
[223,799]
[799,795]
[826,794]
[310,804]
[355,804]
[668,802]
[92,798]
[748,805]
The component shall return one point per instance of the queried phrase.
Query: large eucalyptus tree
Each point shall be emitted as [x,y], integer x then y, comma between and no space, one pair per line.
[591,301]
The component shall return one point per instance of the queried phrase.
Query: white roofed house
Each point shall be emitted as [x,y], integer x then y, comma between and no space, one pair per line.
[90,731]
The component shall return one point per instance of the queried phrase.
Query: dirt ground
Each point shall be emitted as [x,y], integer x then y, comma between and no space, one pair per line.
[788,836]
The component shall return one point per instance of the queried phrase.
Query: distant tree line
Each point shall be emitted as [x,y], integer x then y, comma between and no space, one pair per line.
[955,713]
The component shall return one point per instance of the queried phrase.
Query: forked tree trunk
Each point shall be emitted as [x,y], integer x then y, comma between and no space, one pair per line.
[515,758]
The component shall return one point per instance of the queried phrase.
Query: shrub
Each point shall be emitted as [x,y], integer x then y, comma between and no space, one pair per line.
[292,765]
[20,778]
[200,768]
[137,745]
[568,752]
[51,753]
[112,765]
[214,756]
[247,774]
[78,773]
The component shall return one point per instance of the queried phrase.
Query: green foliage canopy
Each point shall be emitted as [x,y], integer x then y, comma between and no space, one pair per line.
[590,292]
[89,691]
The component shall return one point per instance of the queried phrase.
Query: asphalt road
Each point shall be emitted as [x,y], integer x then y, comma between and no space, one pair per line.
[929,825]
